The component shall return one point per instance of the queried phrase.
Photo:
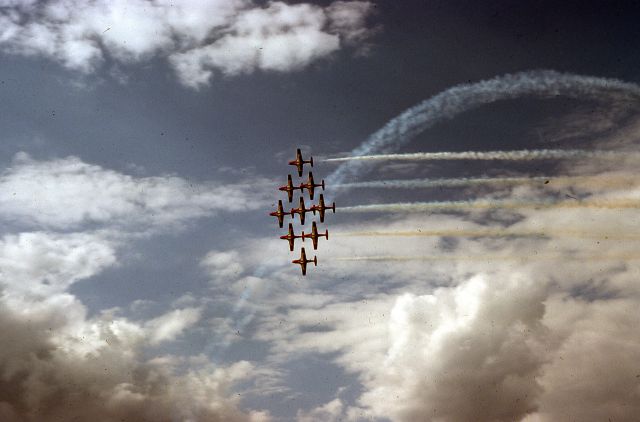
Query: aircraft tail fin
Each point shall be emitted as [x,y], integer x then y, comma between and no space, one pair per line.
[326,234]
[322,184]
[315,261]
[311,161]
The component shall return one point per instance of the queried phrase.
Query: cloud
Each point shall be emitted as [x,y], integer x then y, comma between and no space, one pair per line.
[38,264]
[170,325]
[68,194]
[223,265]
[330,412]
[57,363]
[197,38]
[46,377]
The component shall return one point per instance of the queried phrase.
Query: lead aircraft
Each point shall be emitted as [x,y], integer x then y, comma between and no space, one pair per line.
[299,162]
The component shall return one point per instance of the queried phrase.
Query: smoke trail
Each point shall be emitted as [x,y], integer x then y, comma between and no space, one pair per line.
[493,232]
[488,258]
[486,204]
[522,155]
[599,180]
[460,98]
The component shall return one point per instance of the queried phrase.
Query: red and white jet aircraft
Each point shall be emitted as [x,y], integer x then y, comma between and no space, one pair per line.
[322,208]
[301,210]
[314,235]
[299,162]
[291,237]
[289,188]
[311,185]
[303,261]
[279,213]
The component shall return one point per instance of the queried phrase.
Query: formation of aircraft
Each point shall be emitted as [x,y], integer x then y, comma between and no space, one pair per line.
[302,210]
[309,186]
[299,162]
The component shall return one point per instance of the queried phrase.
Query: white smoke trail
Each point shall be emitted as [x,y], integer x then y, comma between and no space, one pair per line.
[619,180]
[412,207]
[460,98]
[489,258]
[522,155]
[494,232]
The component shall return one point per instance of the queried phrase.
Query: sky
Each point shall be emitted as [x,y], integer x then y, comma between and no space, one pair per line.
[482,264]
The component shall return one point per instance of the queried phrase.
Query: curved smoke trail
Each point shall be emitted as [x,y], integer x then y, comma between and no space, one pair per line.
[448,104]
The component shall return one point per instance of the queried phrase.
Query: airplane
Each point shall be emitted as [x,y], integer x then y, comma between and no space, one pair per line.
[280,213]
[299,162]
[303,261]
[322,208]
[301,210]
[314,235]
[291,237]
[289,188]
[310,185]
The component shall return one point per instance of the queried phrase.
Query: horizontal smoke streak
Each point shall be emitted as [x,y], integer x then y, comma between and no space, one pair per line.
[495,232]
[531,257]
[521,155]
[609,180]
[486,204]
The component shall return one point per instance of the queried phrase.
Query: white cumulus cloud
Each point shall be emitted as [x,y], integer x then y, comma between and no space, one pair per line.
[198,38]
[68,193]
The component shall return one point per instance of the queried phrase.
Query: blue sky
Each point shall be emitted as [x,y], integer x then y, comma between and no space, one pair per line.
[142,279]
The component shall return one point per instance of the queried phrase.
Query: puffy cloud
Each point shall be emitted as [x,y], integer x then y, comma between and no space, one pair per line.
[330,412]
[57,363]
[168,326]
[38,264]
[223,265]
[198,38]
[69,193]
[593,375]
[47,375]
